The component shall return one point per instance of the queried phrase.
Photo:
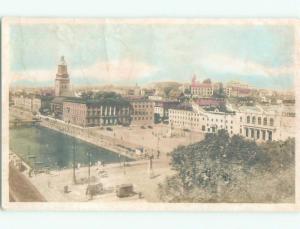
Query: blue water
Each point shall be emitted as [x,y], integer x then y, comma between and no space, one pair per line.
[42,147]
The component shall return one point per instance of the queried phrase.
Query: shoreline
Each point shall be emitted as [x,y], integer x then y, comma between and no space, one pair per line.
[91,141]
[87,135]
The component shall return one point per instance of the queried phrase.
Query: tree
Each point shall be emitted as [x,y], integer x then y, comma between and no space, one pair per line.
[220,169]
[157,118]
[219,93]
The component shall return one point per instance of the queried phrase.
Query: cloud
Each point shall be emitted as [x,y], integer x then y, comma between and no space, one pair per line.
[112,71]
[104,71]
[232,65]
[37,75]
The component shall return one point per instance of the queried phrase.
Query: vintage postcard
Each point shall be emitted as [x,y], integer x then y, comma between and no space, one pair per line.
[150,114]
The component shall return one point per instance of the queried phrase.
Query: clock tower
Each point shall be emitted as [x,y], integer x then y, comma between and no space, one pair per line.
[62,80]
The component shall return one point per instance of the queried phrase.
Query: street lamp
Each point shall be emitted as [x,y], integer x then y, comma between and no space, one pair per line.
[74,157]
[89,166]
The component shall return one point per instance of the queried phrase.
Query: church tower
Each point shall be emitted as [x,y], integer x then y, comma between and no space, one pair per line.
[62,80]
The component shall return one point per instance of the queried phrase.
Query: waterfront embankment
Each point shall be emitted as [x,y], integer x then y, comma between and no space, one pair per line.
[133,151]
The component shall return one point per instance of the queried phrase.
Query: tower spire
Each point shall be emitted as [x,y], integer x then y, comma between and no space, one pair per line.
[62,61]
[62,80]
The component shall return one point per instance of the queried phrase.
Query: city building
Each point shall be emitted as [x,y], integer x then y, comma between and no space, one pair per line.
[56,106]
[210,102]
[204,89]
[142,111]
[146,92]
[237,89]
[252,122]
[46,104]
[32,103]
[87,113]
[193,117]
[155,98]
[267,123]
[161,108]
[36,104]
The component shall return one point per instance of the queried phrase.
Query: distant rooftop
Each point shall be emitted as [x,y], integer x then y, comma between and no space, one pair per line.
[184,106]
[106,101]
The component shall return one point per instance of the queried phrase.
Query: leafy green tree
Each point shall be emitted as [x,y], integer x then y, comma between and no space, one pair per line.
[219,93]
[220,168]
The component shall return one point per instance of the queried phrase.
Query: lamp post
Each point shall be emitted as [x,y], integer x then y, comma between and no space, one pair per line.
[74,161]
[74,157]
[89,166]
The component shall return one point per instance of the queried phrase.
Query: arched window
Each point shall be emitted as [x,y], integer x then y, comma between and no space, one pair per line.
[271,121]
[253,120]
[265,121]
[248,119]
[259,120]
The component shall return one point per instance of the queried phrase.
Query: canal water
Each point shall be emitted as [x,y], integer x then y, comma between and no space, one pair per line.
[42,147]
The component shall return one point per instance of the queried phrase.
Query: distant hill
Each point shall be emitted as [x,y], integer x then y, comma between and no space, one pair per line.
[168,89]
[163,84]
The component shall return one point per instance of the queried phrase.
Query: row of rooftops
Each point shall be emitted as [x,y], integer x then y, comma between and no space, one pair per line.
[230,109]
[35,96]
[117,101]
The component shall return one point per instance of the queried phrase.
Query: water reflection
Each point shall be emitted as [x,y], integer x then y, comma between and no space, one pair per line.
[43,147]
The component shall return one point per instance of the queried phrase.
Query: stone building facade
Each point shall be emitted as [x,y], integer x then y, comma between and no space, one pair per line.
[28,103]
[95,113]
[193,117]
[204,89]
[267,123]
[142,111]
[254,123]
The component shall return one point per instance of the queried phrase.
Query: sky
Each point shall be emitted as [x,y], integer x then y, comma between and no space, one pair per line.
[126,54]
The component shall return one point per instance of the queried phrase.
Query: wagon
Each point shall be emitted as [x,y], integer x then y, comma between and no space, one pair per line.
[124,190]
[94,189]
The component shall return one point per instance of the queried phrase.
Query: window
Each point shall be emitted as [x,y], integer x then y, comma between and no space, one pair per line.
[259,120]
[271,121]
[248,119]
[241,119]
[265,121]
[247,132]
[253,120]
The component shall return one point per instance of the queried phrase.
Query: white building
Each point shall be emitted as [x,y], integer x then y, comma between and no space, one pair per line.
[28,103]
[267,123]
[197,119]
[255,123]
